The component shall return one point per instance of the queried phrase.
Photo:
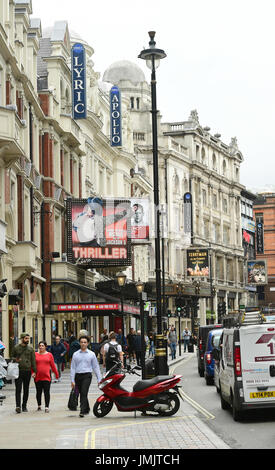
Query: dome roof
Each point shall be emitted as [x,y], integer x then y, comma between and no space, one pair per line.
[123,70]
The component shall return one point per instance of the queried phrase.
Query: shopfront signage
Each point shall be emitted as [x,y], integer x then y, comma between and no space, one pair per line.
[98,307]
[78,82]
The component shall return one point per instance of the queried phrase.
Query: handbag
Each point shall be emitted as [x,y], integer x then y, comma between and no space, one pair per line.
[12,371]
[73,399]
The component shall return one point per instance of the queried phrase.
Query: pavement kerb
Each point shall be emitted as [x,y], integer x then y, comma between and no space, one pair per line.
[117,431]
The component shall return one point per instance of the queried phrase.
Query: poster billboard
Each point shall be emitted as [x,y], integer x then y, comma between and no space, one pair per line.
[257,272]
[198,263]
[140,220]
[99,232]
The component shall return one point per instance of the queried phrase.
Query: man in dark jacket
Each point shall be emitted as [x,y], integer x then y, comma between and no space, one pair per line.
[58,351]
[25,356]
[74,346]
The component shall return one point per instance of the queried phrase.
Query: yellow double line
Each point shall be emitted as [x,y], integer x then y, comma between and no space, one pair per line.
[90,435]
[193,403]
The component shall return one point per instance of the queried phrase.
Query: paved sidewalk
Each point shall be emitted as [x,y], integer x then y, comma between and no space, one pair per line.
[63,429]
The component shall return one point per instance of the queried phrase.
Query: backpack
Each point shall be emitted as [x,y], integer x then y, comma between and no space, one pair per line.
[112,355]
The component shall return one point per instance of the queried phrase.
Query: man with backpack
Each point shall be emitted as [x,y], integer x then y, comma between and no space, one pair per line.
[112,352]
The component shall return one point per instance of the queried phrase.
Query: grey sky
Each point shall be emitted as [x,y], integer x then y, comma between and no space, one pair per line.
[220,61]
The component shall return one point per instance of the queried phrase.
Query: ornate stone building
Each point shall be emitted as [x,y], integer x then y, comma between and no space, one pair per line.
[47,157]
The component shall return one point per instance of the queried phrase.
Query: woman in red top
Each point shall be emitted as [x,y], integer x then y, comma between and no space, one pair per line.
[44,364]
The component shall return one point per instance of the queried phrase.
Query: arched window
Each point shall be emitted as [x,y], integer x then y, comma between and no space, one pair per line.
[197,153]
[203,159]
[224,168]
[214,162]
[132,100]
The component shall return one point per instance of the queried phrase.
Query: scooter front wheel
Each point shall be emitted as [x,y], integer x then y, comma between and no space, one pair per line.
[173,402]
[102,408]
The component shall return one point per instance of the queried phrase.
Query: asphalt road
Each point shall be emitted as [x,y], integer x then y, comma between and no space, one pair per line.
[256,431]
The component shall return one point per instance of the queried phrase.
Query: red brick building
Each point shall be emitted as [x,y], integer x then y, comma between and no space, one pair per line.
[264,213]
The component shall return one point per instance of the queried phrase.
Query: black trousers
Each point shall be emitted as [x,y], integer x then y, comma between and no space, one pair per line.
[83,382]
[23,379]
[43,385]
[138,356]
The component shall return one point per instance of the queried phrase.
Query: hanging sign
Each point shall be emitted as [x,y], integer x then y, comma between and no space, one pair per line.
[115,117]
[78,82]
[260,237]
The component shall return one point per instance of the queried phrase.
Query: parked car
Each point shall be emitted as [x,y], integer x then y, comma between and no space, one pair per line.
[201,343]
[213,340]
[247,370]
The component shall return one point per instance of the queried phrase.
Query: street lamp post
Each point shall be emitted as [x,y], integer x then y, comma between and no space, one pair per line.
[140,287]
[121,280]
[152,57]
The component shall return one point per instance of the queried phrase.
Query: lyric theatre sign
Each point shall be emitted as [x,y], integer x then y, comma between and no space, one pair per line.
[78,82]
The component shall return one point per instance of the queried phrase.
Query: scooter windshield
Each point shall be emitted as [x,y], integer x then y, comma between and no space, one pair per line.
[116,369]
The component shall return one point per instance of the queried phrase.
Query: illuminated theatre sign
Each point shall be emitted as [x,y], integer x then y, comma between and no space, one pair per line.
[78,82]
[98,308]
[115,117]
[99,232]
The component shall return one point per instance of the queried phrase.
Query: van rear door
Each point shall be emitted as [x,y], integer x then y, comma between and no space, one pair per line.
[257,343]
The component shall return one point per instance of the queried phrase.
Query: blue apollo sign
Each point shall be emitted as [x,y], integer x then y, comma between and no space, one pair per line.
[78,82]
[115,117]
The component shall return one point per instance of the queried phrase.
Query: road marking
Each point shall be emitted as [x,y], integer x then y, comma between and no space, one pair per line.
[92,432]
[192,402]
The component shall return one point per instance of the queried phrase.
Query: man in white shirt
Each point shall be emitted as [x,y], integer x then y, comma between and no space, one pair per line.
[84,362]
[116,355]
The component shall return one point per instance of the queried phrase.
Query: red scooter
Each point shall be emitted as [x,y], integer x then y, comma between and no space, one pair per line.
[147,395]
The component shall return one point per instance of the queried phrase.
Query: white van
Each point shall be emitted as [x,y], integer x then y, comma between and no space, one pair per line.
[247,367]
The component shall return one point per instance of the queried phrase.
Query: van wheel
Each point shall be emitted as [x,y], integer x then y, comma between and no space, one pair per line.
[237,414]
[209,380]
[224,404]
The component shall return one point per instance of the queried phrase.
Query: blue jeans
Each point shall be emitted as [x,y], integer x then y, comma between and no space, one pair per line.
[152,350]
[186,342]
[173,347]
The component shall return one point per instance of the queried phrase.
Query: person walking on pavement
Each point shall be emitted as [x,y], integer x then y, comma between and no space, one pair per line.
[123,343]
[112,352]
[138,347]
[131,345]
[58,351]
[74,346]
[84,362]
[152,344]
[172,340]
[44,364]
[186,338]
[24,355]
